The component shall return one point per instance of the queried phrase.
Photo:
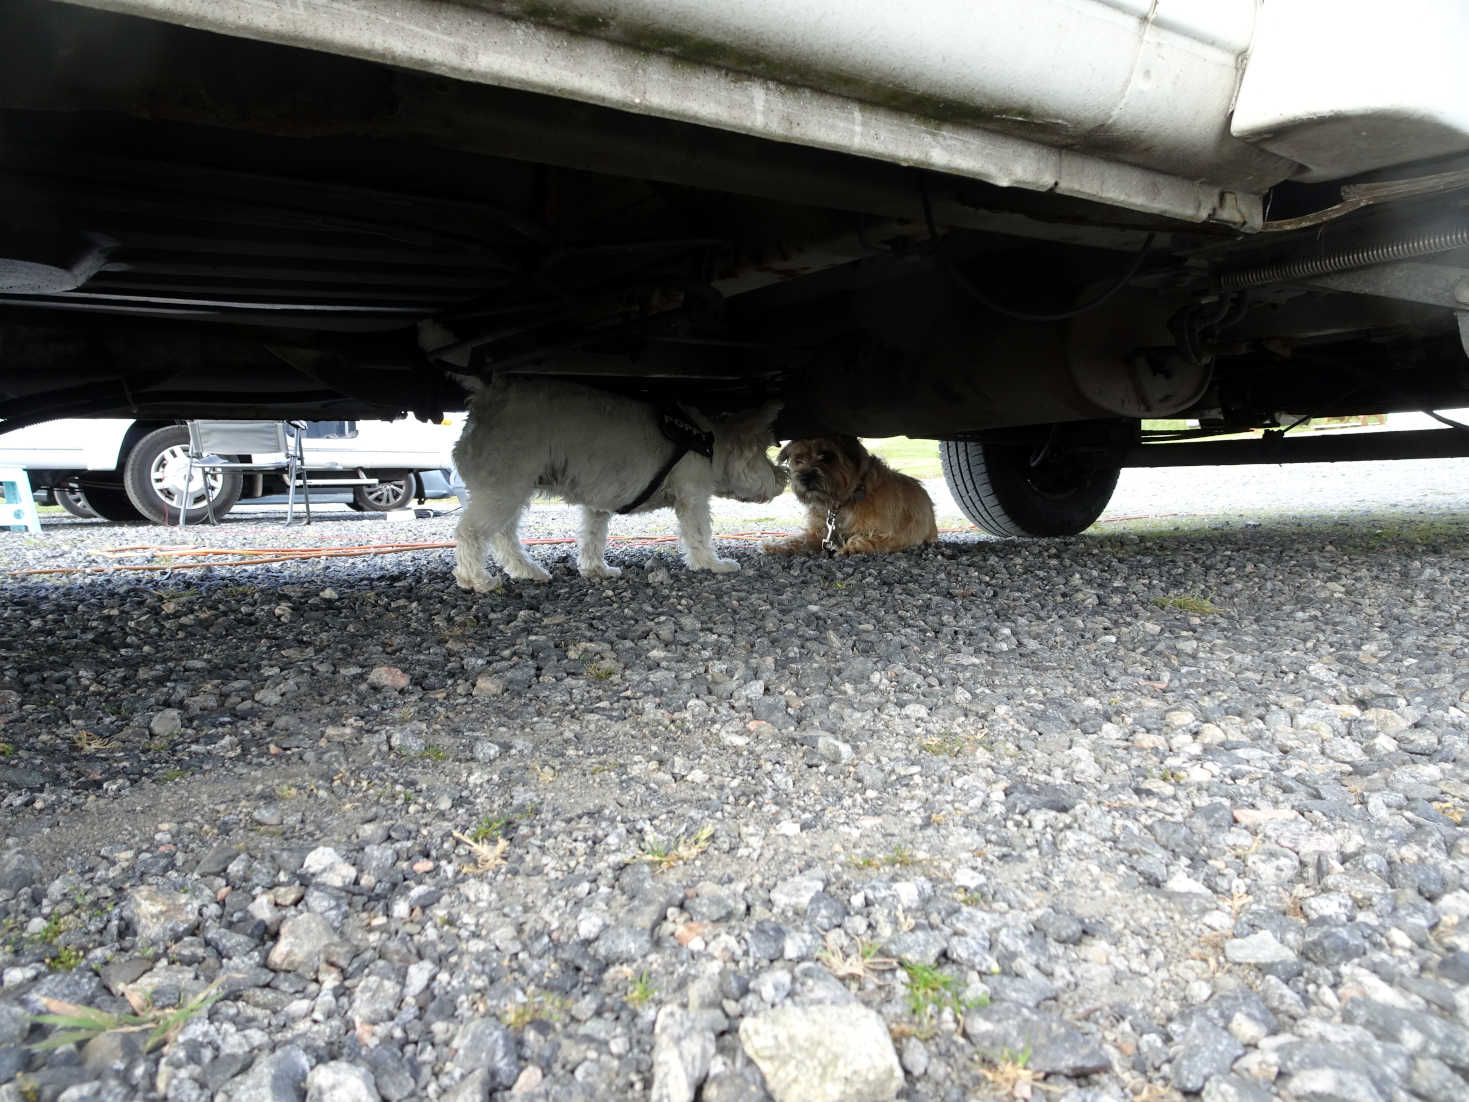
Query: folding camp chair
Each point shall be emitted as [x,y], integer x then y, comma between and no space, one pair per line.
[271,446]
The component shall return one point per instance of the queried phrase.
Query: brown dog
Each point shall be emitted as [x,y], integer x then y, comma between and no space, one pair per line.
[855,502]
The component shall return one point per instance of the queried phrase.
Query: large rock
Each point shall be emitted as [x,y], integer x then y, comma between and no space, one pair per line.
[1056,1047]
[823,1054]
[340,1081]
[18,870]
[486,1044]
[1205,1051]
[274,1077]
[305,941]
[1418,1031]
[159,917]
[682,1051]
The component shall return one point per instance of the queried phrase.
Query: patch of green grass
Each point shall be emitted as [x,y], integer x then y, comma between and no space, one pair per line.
[667,854]
[539,1006]
[76,1025]
[917,458]
[641,991]
[433,753]
[65,959]
[946,744]
[491,827]
[174,775]
[1186,602]
[601,669]
[930,991]
[900,857]
[6,750]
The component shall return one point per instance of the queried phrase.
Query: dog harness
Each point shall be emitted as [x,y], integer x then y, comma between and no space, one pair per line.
[686,437]
[831,543]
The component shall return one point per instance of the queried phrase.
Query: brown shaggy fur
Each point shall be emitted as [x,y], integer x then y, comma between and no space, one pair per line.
[875,507]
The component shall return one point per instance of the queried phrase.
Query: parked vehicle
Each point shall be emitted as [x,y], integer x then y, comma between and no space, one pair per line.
[1023,229]
[135,470]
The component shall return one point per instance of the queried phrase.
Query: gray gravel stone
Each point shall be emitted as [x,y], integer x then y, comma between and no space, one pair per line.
[274,1077]
[1418,1031]
[486,1044]
[820,1052]
[1056,1047]
[1333,946]
[340,1081]
[1234,1088]
[1328,1084]
[18,870]
[682,1051]
[1204,1051]
[161,917]
[305,941]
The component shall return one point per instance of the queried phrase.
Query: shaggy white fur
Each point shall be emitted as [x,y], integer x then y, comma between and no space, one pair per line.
[599,451]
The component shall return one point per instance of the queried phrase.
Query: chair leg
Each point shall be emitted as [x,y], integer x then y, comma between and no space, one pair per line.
[208,498]
[188,481]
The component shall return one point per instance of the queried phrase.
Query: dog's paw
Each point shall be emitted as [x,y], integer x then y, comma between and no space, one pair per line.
[780,547]
[480,584]
[526,572]
[600,570]
[724,566]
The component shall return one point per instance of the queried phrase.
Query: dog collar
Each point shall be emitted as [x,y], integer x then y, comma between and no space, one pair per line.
[830,541]
[686,437]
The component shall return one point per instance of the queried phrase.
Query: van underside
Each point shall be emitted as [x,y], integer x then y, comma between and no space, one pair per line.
[205,225]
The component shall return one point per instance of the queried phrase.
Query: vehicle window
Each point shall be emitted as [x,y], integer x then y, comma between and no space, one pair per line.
[331,430]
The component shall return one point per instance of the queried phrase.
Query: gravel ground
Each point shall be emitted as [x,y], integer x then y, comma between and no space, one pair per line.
[991,819]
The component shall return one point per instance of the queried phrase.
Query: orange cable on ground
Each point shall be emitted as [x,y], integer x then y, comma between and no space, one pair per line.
[262,555]
[259,556]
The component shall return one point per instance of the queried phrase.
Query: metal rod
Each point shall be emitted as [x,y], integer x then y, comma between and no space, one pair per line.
[1349,447]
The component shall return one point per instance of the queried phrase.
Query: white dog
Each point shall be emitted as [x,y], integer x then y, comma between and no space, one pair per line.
[606,453]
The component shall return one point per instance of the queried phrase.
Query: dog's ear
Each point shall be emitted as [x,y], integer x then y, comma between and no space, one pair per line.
[785,452]
[852,448]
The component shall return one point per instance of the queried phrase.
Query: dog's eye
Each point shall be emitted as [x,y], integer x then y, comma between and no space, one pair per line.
[824,457]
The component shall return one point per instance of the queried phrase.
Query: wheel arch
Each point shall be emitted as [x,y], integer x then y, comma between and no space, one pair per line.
[136,432]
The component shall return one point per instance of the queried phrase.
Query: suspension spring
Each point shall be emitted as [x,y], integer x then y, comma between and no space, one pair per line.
[1296,270]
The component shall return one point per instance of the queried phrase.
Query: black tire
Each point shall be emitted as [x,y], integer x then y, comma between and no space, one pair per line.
[73,499]
[111,502]
[153,478]
[1005,494]
[388,494]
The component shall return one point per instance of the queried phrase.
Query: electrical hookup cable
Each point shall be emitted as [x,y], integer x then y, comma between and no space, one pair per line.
[1009,311]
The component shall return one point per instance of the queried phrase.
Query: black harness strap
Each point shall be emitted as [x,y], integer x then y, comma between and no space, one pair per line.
[686,437]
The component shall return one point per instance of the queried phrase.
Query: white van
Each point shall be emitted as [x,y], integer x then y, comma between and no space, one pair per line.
[123,469]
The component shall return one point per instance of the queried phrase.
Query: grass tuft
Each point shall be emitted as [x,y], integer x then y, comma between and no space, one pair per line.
[641,991]
[667,855]
[1185,602]
[75,1025]
[486,857]
[930,991]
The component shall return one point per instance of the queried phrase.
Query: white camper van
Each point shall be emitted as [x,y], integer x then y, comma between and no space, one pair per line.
[124,469]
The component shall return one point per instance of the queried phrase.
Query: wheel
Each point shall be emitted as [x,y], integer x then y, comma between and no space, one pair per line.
[154,474]
[388,494]
[1025,490]
[110,501]
[73,499]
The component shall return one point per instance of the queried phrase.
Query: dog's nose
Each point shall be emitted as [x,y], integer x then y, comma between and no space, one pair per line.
[806,478]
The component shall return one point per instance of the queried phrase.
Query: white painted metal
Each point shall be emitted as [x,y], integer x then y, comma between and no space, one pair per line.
[1120,101]
[1352,85]
[1146,81]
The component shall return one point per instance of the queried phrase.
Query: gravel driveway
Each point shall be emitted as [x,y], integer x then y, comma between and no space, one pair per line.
[1175,807]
